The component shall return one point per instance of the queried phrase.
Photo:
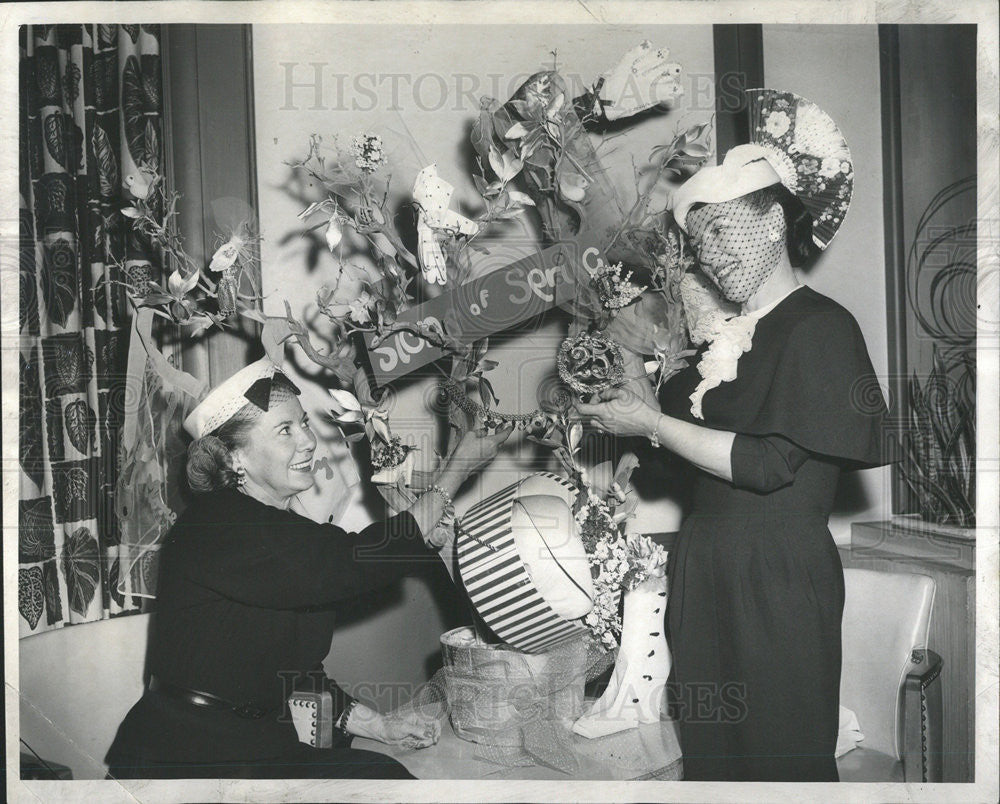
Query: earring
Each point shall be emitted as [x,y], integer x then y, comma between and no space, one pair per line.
[241,476]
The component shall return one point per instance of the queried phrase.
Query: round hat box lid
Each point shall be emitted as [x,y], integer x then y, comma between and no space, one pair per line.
[495,575]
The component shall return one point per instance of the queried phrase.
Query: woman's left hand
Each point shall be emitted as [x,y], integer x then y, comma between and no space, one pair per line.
[409,730]
[620,412]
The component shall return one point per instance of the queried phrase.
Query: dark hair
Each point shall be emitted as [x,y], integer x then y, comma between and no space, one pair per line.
[802,250]
[209,458]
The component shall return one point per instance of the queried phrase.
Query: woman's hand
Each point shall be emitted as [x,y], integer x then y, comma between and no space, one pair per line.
[637,380]
[477,448]
[409,730]
[620,412]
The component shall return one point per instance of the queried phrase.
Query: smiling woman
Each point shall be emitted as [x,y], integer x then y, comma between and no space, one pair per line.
[244,611]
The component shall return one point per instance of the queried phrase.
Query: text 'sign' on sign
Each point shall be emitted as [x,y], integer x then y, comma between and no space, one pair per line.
[495,302]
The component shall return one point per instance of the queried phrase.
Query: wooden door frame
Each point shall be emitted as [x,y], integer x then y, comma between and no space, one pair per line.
[739,65]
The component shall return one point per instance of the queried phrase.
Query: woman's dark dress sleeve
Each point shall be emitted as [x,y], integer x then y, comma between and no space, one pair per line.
[279,560]
[823,394]
[764,463]
[807,379]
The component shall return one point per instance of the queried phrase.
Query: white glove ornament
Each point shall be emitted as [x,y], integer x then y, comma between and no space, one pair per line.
[641,79]
[433,195]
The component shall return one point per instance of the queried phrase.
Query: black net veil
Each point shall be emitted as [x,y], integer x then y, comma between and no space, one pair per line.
[738,243]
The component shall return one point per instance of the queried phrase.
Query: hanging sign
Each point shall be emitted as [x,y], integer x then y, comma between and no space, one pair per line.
[495,302]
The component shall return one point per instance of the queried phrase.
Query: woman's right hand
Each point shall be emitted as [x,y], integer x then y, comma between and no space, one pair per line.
[407,729]
[477,448]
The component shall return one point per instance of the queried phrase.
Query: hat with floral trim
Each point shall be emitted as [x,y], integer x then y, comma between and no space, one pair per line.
[793,142]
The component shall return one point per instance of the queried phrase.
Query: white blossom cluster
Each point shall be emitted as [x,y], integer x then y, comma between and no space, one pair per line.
[616,291]
[367,151]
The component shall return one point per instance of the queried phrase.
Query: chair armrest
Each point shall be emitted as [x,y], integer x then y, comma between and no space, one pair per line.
[922,717]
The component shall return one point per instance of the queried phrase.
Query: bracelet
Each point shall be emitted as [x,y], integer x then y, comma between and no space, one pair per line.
[654,435]
[447,515]
[342,722]
[448,501]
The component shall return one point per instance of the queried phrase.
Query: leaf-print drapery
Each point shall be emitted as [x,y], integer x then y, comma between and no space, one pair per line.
[90,116]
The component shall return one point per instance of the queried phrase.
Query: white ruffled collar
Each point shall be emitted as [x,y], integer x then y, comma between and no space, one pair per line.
[728,339]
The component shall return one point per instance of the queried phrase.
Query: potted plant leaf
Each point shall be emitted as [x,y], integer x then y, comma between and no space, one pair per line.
[938,463]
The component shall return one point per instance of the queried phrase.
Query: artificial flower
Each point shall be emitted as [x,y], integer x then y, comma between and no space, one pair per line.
[225,256]
[361,309]
[809,165]
[816,133]
[138,185]
[179,285]
[830,167]
[393,474]
[506,165]
[349,410]
[368,153]
[776,124]
[573,186]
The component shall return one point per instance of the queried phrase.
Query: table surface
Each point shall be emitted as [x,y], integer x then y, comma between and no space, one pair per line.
[651,751]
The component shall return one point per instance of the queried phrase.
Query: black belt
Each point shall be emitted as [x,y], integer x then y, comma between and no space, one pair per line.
[204,699]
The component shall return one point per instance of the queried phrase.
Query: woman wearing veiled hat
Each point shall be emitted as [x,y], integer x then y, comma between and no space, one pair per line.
[245,593]
[778,401]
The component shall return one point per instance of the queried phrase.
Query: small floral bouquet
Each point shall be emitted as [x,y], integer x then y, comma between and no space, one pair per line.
[615,291]
[619,560]
[390,460]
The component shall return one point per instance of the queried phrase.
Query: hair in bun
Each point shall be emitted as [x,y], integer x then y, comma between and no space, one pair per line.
[209,465]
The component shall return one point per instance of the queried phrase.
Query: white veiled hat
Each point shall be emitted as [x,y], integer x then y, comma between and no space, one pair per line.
[250,384]
[793,142]
[745,169]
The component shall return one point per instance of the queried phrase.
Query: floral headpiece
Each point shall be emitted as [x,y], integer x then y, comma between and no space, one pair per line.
[808,152]
[794,142]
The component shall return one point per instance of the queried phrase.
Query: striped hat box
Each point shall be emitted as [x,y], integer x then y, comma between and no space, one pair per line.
[494,575]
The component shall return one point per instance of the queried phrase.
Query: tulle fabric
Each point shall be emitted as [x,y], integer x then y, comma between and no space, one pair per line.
[148,495]
[519,709]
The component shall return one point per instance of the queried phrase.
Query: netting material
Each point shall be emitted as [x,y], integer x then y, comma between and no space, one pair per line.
[517,708]
[737,246]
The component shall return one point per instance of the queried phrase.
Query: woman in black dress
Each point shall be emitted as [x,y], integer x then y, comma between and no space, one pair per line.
[780,400]
[245,594]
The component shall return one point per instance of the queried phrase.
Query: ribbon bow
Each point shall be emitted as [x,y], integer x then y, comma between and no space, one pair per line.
[433,195]
[260,392]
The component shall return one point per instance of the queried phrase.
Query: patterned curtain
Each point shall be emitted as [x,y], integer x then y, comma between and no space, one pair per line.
[90,116]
